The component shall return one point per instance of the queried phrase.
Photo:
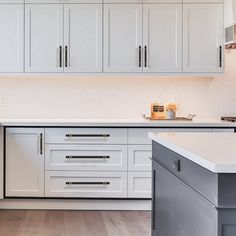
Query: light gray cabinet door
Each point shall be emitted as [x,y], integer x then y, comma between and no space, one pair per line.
[12,38]
[44,38]
[83,37]
[122,37]
[24,162]
[203,42]
[162,37]
[178,210]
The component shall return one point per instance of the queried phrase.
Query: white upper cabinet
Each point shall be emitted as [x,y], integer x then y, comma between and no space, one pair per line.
[24,162]
[12,38]
[11,1]
[83,38]
[122,37]
[162,38]
[44,38]
[63,1]
[162,1]
[203,1]
[123,1]
[203,38]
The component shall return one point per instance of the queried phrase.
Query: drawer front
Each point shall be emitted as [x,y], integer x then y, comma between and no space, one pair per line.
[139,157]
[86,135]
[199,178]
[86,157]
[85,184]
[140,135]
[139,184]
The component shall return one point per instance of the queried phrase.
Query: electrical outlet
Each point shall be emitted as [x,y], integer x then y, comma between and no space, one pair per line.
[3,100]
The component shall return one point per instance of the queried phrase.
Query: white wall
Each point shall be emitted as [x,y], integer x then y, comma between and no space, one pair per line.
[117,97]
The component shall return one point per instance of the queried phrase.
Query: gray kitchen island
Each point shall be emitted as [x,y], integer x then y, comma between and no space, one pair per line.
[194,184]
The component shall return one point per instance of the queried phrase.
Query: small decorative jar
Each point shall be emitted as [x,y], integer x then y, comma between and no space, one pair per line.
[171,109]
[170,115]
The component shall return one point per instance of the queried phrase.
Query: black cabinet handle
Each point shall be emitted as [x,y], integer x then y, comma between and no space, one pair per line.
[87,157]
[145,56]
[220,56]
[87,135]
[140,56]
[41,143]
[87,183]
[66,56]
[60,56]
[176,165]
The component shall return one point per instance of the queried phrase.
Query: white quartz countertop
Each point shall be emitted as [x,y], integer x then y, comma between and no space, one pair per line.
[139,122]
[213,151]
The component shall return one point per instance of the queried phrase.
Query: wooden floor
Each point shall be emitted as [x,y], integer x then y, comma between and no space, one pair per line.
[73,223]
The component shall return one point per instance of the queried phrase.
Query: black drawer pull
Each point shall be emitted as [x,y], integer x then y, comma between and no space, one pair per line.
[87,157]
[87,135]
[87,183]
[176,165]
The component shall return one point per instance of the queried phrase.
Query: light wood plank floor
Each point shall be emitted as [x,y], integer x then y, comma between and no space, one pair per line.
[74,223]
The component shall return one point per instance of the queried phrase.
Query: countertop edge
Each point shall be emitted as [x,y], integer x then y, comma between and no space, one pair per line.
[215,168]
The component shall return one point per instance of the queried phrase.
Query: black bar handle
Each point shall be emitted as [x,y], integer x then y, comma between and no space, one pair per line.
[220,56]
[145,56]
[87,135]
[66,56]
[60,56]
[41,143]
[87,157]
[87,183]
[140,56]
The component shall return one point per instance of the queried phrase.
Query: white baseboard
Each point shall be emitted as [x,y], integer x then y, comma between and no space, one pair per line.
[71,204]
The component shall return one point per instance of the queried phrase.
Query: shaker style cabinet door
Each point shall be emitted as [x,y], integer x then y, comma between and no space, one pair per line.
[203,40]
[12,38]
[24,162]
[83,38]
[162,38]
[122,37]
[44,38]
[11,1]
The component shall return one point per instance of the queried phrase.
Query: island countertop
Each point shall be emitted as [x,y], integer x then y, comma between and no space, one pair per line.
[213,151]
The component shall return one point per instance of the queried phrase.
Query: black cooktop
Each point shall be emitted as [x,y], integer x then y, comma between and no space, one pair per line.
[229,118]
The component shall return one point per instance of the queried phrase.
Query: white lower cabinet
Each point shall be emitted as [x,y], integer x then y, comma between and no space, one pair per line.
[86,157]
[139,157]
[80,184]
[81,162]
[24,162]
[139,184]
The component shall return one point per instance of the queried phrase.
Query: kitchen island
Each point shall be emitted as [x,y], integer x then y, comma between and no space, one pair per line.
[194,184]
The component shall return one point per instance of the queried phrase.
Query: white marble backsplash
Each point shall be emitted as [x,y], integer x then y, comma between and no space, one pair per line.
[117,97]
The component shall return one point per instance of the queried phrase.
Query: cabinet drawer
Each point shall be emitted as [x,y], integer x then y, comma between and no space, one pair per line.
[86,157]
[86,135]
[140,135]
[85,184]
[199,178]
[139,184]
[139,157]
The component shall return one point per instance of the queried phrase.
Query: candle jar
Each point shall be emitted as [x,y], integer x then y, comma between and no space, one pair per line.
[170,115]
